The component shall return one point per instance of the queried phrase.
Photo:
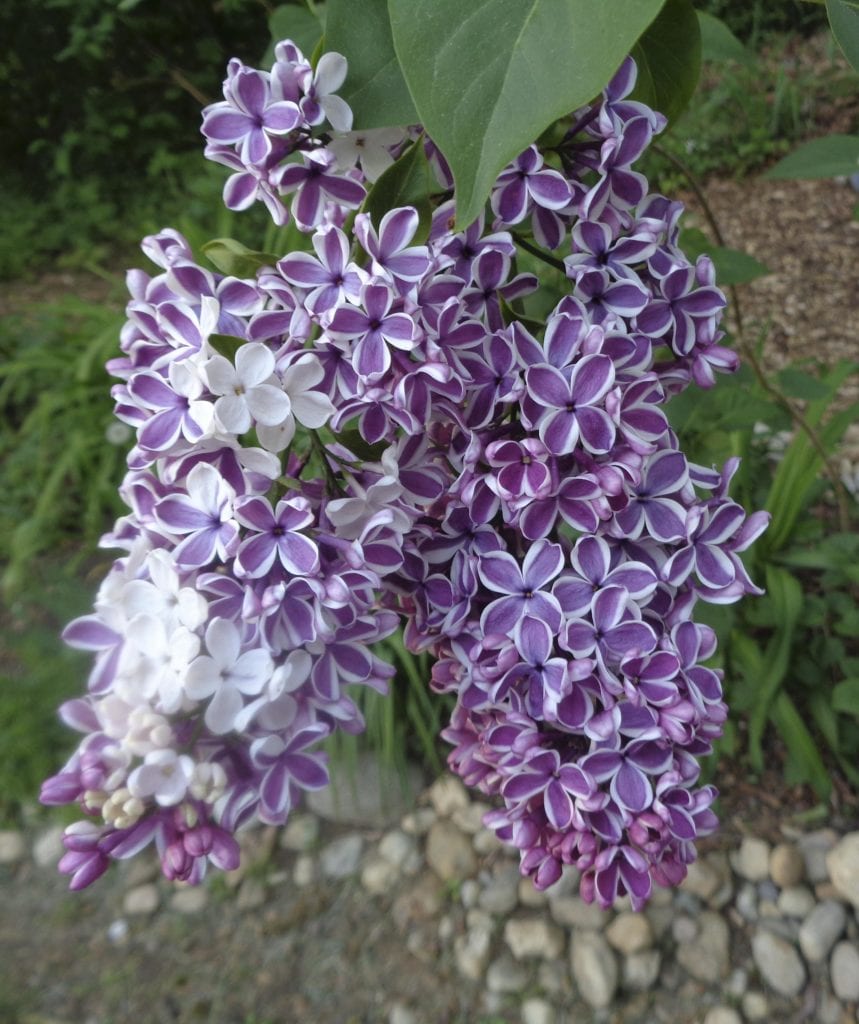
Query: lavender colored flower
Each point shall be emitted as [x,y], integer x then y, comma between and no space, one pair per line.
[571,406]
[250,116]
[374,330]
[392,441]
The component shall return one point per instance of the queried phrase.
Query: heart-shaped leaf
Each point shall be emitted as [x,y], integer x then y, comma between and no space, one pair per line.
[844,22]
[487,77]
[407,182]
[668,56]
[718,42]
[291,21]
[829,157]
[374,87]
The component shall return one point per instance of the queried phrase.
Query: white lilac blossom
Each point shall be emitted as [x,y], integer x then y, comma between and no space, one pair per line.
[386,441]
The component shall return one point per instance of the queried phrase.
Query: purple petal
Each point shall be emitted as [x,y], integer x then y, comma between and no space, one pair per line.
[500,572]
[631,788]
[608,607]
[511,203]
[625,299]
[560,432]
[251,90]
[630,636]
[542,563]
[667,472]
[714,567]
[397,229]
[534,640]
[501,617]
[298,554]
[307,771]
[591,379]
[596,430]
[592,558]
[549,189]
[558,806]
[257,554]
[548,385]
[180,516]
[225,125]
[302,269]
[666,520]
[349,322]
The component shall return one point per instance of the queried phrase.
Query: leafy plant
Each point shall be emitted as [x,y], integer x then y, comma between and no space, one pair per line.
[749,109]
[60,462]
[789,656]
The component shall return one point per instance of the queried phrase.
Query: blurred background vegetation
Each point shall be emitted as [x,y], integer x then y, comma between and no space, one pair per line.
[100,122]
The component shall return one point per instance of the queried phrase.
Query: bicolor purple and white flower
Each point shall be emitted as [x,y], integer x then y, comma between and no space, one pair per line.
[390,440]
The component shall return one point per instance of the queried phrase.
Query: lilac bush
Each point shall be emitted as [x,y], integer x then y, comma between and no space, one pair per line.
[372,432]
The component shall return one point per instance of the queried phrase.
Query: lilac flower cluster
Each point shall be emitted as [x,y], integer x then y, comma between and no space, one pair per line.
[372,432]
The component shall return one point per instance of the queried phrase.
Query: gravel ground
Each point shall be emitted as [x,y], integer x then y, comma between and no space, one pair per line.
[806,309]
[421,917]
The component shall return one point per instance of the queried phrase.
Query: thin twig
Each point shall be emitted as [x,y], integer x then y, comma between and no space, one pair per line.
[184,83]
[330,476]
[539,253]
[751,357]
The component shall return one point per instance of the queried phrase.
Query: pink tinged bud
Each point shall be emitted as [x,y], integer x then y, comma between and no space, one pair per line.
[84,867]
[176,862]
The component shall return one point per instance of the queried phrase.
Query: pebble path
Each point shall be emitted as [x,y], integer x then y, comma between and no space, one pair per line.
[763,932]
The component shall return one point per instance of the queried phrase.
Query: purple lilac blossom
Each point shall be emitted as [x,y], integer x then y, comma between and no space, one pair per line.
[384,441]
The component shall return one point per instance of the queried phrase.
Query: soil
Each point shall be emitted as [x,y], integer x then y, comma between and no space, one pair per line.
[333,954]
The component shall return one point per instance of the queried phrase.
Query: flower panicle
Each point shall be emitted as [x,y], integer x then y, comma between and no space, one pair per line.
[367,434]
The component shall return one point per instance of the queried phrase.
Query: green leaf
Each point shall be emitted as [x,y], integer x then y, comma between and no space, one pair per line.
[829,157]
[798,470]
[801,384]
[825,718]
[668,56]
[226,345]
[785,592]
[374,88]
[845,696]
[487,77]
[844,22]
[718,42]
[407,182]
[354,441]
[295,22]
[836,551]
[804,762]
[235,259]
[732,265]
[736,267]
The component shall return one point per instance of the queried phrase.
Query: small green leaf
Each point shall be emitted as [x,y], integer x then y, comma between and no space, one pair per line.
[829,157]
[408,182]
[732,265]
[487,77]
[235,259]
[837,551]
[804,762]
[374,88]
[668,56]
[845,696]
[353,440]
[718,42]
[844,22]
[295,22]
[736,267]
[785,592]
[800,384]
[226,345]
